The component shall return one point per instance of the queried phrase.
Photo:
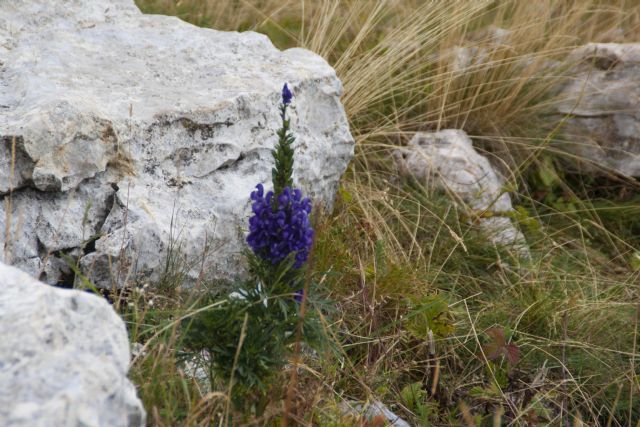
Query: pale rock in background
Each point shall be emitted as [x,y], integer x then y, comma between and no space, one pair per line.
[447,160]
[600,105]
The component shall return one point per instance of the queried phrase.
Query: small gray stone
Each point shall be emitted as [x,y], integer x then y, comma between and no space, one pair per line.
[448,160]
[371,410]
[477,50]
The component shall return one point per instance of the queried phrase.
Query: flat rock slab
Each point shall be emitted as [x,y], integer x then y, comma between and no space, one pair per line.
[129,139]
[64,357]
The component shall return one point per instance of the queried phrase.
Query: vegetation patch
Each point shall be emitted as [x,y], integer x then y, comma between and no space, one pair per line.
[407,303]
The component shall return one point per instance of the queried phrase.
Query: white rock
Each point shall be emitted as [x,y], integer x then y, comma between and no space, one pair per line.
[448,160]
[371,410]
[39,228]
[173,123]
[602,105]
[64,358]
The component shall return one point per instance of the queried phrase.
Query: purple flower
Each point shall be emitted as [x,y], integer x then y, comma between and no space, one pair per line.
[277,230]
[286,95]
[297,295]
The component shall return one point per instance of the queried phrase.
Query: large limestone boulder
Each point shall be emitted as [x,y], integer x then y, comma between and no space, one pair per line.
[127,140]
[64,357]
[601,107]
[446,160]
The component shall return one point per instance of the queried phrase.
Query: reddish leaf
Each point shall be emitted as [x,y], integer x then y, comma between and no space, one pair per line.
[512,353]
[494,348]
[497,346]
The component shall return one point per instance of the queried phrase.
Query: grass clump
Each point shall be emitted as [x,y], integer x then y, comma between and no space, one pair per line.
[429,317]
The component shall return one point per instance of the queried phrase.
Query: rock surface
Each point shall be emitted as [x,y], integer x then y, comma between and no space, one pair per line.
[147,134]
[448,160]
[64,358]
[601,103]
[371,410]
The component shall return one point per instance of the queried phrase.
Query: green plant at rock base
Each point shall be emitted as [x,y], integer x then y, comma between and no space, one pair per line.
[248,338]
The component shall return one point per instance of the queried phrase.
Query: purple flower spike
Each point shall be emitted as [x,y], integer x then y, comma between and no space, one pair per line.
[280,230]
[286,95]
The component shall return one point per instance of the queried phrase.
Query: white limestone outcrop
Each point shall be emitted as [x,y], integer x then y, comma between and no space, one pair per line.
[128,138]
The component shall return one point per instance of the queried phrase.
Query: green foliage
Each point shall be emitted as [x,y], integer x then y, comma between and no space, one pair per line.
[416,399]
[635,261]
[282,172]
[524,218]
[429,313]
[247,339]
[280,279]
